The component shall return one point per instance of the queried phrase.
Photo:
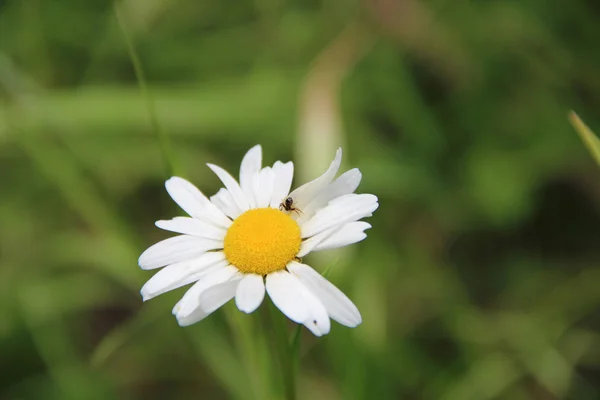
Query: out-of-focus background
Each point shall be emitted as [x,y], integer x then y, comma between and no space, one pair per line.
[480,277]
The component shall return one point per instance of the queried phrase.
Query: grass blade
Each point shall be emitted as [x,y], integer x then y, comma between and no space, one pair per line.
[590,140]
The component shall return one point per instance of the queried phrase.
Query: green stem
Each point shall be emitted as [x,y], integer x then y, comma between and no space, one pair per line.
[162,137]
[285,352]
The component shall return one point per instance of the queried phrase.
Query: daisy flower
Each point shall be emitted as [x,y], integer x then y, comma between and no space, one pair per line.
[251,237]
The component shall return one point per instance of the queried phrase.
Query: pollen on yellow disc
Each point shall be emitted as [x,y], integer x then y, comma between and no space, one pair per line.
[262,240]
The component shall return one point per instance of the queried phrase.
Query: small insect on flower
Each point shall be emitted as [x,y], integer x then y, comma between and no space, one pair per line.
[288,205]
[242,243]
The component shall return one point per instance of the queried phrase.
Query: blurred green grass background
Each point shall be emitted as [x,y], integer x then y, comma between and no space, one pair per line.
[479,279]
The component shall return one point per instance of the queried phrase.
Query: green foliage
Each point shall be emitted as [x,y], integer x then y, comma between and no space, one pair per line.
[479,278]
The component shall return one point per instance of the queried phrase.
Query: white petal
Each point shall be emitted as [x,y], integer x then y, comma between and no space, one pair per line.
[191,299]
[344,209]
[306,193]
[282,182]
[224,201]
[344,184]
[186,195]
[211,300]
[338,236]
[250,293]
[193,202]
[339,307]
[249,168]
[192,226]
[297,302]
[265,187]
[182,273]
[350,233]
[175,249]
[232,186]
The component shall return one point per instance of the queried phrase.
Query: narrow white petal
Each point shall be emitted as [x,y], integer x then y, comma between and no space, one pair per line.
[339,307]
[250,293]
[344,209]
[338,236]
[211,300]
[175,249]
[308,245]
[306,193]
[344,184]
[232,186]
[225,202]
[192,226]
[297,302]
[182,273]
[350,233]
[214,297]
[250,167]
[191,299]
[255,186]
[193,202]
[265,187]
[282,182]
[186,195]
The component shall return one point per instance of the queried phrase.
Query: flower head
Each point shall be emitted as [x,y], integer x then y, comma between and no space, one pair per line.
[251,235]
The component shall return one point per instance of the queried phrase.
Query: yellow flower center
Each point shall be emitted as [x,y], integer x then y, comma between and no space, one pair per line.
[262,240]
